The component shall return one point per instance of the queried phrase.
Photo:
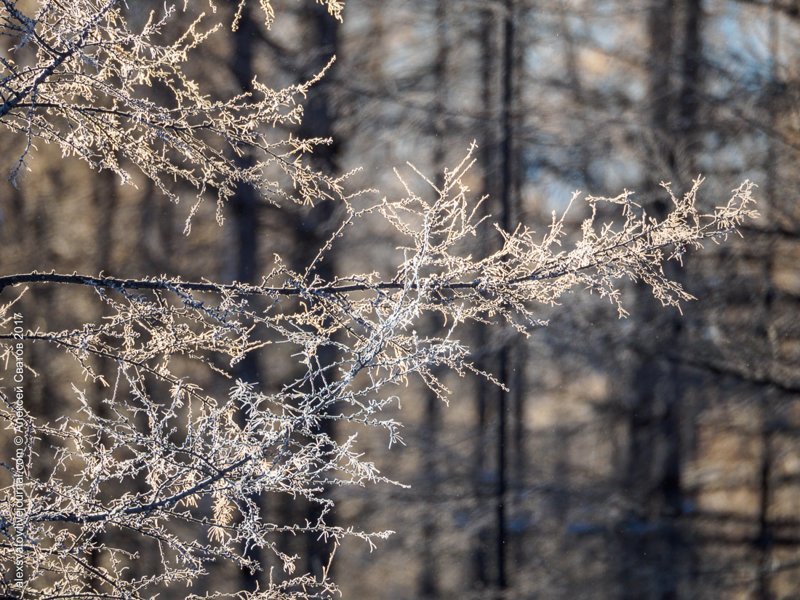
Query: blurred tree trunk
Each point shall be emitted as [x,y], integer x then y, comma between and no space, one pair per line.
[525,12]
[689,122]
[244,207]
[655,553]
[480,560]
[432,457]
[764,541]
[508,362]
[652,477]
[499,472]
[315,225]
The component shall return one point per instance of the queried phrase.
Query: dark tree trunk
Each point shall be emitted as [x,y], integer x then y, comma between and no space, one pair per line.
[656,556]
[506,360]
[689,99]
[429,573]
[765,538]
[315,225]
[244,207]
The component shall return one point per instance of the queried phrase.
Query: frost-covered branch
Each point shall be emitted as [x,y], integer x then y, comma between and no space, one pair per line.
[82,77]
[167,446]
[164,447]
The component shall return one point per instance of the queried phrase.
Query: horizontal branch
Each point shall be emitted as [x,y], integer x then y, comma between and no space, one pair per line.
[248,289]
[240,289]
[551,271]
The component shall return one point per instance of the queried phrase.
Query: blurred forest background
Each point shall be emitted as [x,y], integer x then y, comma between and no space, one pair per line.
[653,457]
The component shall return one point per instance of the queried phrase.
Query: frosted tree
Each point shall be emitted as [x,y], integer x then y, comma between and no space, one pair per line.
[178,466]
